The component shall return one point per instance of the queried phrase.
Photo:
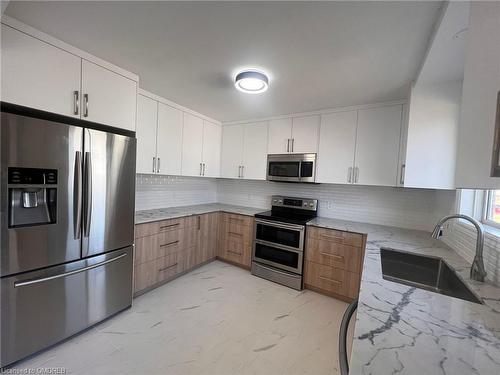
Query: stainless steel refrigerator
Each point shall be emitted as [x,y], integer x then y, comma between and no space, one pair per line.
[67,227]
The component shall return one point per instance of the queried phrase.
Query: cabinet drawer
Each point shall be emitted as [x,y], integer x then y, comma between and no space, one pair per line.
[237,219]
[236,232]
[236,251]
[332,280]
[158,245]
[169,266]
[335,236]
[148,229]
[333,254]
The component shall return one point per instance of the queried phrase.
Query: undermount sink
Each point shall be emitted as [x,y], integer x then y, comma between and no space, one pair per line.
[424,272]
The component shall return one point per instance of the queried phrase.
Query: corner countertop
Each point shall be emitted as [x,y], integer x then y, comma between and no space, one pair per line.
[405,330]
[148,216]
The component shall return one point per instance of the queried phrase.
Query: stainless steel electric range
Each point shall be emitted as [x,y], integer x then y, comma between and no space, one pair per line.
[279,245]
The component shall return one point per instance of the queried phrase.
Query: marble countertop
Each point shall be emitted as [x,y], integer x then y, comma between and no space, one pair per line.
[404,330]
[147,216]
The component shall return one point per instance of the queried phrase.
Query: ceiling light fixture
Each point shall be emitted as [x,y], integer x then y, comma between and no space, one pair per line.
[251,81]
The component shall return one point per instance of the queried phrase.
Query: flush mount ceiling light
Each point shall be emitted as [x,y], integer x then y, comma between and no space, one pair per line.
[251,81]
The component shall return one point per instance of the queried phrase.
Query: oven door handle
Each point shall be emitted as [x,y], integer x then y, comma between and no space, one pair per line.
[297,227]
[279,246]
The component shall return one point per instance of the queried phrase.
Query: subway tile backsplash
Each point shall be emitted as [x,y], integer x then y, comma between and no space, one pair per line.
[153,191]
[406,208]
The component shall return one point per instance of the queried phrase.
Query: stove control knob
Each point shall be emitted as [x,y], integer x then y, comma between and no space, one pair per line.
[305,204]
[311,204]
[280,201]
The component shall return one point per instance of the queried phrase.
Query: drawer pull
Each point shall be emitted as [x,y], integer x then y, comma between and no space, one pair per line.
[168,267]
[234,252]
[236,234]
[338,257]
[169,244]
[169,226]
[338,282]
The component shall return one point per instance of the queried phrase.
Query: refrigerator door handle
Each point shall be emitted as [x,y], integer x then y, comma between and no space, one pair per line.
[77,196]
[88,194]
[18,284]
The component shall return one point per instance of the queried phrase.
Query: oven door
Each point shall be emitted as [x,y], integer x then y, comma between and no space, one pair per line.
[283,235]
[279,257]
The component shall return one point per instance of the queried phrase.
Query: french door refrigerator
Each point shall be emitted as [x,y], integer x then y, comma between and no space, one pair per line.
[67,227]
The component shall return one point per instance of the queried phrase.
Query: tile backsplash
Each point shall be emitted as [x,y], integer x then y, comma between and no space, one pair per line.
[153,191]
[405,208]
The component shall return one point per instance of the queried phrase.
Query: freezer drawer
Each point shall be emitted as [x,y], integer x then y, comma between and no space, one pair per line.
[41,308]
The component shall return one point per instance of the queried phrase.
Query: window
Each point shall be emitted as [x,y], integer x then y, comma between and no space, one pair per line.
[492,208]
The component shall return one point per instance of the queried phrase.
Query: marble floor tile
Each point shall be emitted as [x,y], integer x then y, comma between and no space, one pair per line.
[217,319]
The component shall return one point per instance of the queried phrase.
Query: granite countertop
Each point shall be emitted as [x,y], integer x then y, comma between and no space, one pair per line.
[147,216]
[405,330]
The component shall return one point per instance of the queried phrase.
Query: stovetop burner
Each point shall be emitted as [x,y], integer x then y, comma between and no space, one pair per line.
[291,210]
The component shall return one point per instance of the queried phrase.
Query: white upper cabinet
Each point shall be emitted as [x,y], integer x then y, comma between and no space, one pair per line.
[232,151]
[244,151]
[169,140]
[479,100]
[147,119]
[211,149]
[377,146]
[429,154]
[305,131]
[107,97]
[280,135]
[55,77]
[192,145]
[38,75]
[255,151]
[337,144]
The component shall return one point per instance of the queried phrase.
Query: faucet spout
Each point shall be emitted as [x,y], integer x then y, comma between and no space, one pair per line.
[477,271]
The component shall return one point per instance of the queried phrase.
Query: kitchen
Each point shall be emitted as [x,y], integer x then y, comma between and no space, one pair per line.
[250,187]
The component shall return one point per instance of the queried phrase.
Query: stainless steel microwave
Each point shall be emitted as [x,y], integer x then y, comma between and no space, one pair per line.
[291,167]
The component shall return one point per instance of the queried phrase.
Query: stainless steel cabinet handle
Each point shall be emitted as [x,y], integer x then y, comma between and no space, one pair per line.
[293,143]
[288,145]
[242,171]
[168,267]
[18,284]
[169,244]
[349,174]
[199,222]
[86,103]
[402,178]
[77,196]
[76,102]
[154,164]
[201,166]
[204,165]
[239,171]
[87,217]
[158,166]
[344,326]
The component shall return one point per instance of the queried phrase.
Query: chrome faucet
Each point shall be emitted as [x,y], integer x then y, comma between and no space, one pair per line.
[477,271]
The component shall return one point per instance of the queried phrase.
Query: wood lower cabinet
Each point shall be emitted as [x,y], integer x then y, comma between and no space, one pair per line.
[333,262]
[165,249]
[235,239]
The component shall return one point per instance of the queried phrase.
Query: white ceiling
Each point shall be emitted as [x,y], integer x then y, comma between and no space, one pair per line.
[319,54]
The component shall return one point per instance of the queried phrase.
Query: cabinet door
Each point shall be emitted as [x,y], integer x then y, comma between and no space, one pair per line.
[255,151]
[337,145]
[111,97]
[280,131]
[305,132]
[377,145]
[169,140]
[232,146]
[192,143]
[481,87]
[147,115]
[207,237]
[211,149]
[38,75]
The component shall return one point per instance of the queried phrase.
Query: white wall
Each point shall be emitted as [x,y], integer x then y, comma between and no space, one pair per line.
[406,208]
[153,191]
[433,127]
